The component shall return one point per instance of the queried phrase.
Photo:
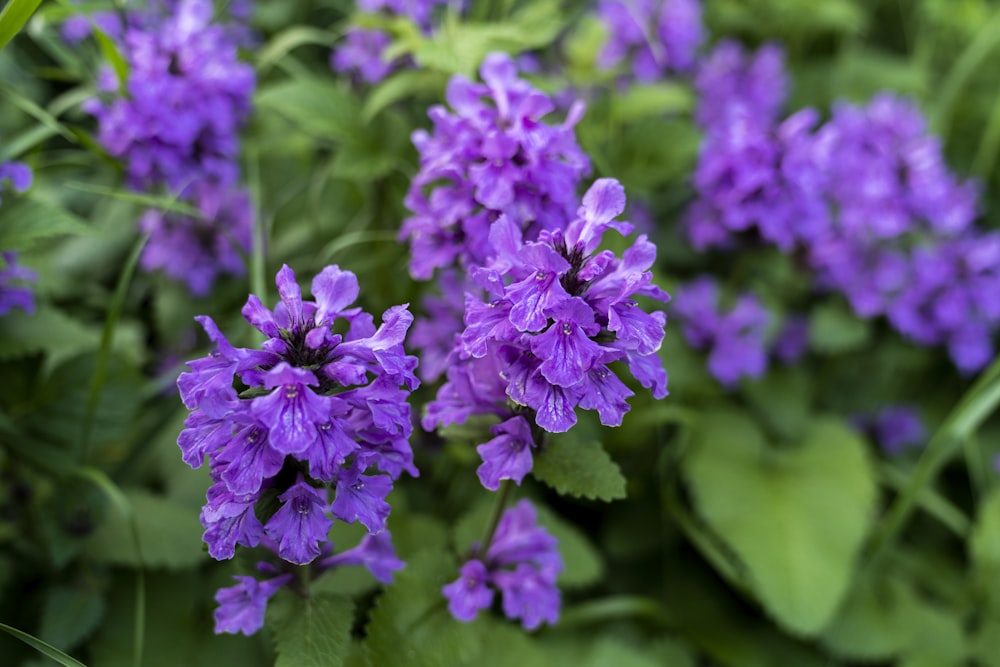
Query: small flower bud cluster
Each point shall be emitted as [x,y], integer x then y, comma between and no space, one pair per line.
[493,155]
[657,36]
[318,411]
[893,428]
[522,562]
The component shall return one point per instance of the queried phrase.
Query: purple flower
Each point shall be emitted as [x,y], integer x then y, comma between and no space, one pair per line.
[508,455]
[730,79]
[327,409]
[361,54]
[522,562]
[18,174]
[196,251]
[375,552]
[13,293]
[659,36]
[241,607]
[893,428]
[735,339]
[493,155]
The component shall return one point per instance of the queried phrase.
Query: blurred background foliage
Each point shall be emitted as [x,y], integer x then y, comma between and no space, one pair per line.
[744,528]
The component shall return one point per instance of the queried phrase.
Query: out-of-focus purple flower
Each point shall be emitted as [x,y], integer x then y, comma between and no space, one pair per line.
[77,28]
[735,339]
[434,335]
[13,292]
[730,78]
[186,97]
[493,155]
[522,561]
[17,174]
[893,428]
[361,53]
[659,36]
[195,251]
[792,340]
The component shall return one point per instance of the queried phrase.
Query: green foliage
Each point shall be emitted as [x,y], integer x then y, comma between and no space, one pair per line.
[25,221]
[311,632]
[833,329]
[795,517]
[14,15]
[581,470]
[71,614]
[411,624]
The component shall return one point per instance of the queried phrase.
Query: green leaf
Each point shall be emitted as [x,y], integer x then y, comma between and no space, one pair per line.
[399,86]
[70,614]
[797,518]
[290,39]
[833,329]
[169,532]
[576,469]
[47,330]
[583,563]
[651,99]
[984,545]
[870,625]
[13,17]
[23,221]
[313,631]
[411,624]
[318,107]
[42,647]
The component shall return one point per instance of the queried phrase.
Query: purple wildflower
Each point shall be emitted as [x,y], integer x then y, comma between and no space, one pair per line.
[186,97]
[735,339]
[522,561]
[893,428]
[241,607]
[196,251]
[361,53]
[330,406]
[13,292]
[660,36]
[492,156]
[729,78]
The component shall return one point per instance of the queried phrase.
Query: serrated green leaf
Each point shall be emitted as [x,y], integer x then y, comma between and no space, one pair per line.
[834,329]
[797,517]
[70,614]
[579,469]
[169,532]
[313,631]
[47,330]
[23,221]
[507,645]
[411,624]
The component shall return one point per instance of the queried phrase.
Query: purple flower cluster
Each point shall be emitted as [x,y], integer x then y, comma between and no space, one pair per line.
[736,339]
[659,36]
[317,411]
[361,53]
[242,607]
[522,562]
[894,428]
[13,293]
[195,250]
[867,198]
[186,97]
[492,156]
[559,314]
[175,124]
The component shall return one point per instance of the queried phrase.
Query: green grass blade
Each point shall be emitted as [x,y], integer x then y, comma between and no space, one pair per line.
[121,502]
[170,204]
[107,338]
[43,648]
[978,403]
[974,55]
[13,17]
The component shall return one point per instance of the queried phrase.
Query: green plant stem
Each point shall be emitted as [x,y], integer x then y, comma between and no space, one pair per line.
[498,508]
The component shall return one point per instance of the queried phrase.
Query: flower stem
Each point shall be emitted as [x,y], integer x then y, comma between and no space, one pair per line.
[498,508]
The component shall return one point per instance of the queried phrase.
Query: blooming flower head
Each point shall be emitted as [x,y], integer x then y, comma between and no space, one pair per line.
[730,78]
[319,412]
[522,562]
[558,314]
[735,339]
[660,36]
[492,155]
[186,96]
